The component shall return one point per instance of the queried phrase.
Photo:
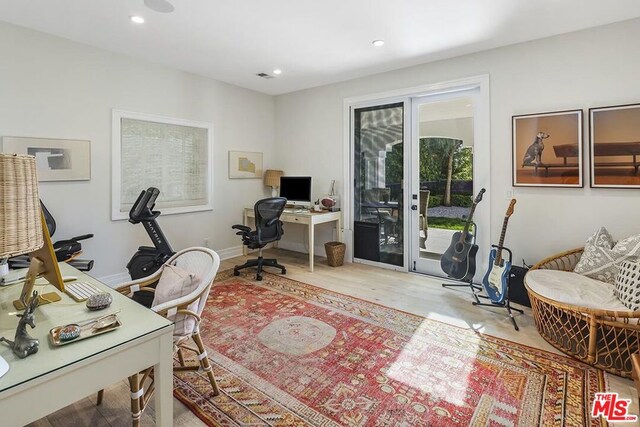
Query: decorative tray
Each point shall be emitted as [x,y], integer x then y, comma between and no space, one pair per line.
[82,330]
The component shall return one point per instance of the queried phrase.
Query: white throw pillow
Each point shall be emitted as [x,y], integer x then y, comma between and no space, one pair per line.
[628,285]
[175,283]
[601,259]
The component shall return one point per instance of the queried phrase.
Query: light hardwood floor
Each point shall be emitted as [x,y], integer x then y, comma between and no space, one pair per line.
[418,294]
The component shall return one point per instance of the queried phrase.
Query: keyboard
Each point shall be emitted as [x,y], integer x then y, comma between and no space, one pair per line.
[80,291]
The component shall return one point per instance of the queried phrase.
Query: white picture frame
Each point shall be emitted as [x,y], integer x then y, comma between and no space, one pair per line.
[56,159]
[119,207]
[245,164]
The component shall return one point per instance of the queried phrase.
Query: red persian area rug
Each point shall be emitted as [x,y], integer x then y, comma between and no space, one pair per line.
[286,353]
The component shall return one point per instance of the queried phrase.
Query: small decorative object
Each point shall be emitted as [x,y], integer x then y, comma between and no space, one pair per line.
[99,301]
[614,154]
[272,179]
[23,344]
[547,149]
[69,332]
[245,164]
[56,159]
[331,201]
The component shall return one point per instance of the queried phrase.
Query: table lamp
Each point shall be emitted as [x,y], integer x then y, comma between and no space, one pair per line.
[272,179]
[23,229]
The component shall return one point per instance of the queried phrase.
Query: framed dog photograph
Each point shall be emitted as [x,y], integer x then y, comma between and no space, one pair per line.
[547,149]
[614,146]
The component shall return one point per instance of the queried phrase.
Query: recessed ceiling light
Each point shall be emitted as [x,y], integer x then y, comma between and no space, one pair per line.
[378,43]
[162,6]
[277,71]
[137,19]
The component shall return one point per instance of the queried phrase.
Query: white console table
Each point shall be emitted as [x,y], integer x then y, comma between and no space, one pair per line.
[55,377]
[308,218]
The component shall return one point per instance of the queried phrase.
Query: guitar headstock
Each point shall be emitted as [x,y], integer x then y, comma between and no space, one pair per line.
[478,198]
[510,208]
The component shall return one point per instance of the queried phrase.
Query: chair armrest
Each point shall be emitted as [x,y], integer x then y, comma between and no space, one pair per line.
[125,288]
[241,227]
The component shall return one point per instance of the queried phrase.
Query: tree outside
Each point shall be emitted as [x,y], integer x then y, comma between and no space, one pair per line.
[446,170]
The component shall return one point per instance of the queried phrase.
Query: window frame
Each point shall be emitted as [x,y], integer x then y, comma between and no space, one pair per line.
[116,160]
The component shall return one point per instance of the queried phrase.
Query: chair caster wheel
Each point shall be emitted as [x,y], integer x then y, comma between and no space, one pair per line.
[259,278]
[236,273]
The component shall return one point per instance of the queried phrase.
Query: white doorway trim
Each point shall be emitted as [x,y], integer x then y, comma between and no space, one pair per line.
[481,82]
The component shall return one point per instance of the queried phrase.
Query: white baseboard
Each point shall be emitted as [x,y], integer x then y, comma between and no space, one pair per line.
[115,279]
[230,252]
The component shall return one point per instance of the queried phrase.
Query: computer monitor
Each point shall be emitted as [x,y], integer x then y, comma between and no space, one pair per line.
[296,189]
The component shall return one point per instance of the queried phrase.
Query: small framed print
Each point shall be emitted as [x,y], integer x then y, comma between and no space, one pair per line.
[614,146]
[245,164]
[56,159]
[547,149]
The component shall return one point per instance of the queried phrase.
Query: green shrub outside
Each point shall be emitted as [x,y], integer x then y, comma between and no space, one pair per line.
[456,200]
[461,200]
[434,201]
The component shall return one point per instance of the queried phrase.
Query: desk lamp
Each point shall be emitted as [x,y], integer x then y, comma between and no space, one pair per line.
[23,229]
[272,179]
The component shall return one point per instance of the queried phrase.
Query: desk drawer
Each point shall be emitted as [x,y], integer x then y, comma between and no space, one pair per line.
[293,218]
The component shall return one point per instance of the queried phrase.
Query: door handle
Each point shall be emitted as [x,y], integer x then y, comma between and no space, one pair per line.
[414,207]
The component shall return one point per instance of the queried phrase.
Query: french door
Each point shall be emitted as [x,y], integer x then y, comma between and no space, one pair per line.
[415,162]
[448,166]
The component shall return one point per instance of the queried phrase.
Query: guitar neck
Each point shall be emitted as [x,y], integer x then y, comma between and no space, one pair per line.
[502,235]
[469,220]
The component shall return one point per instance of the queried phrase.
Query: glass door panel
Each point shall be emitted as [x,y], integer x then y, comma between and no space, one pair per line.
[443,175]
[378,229]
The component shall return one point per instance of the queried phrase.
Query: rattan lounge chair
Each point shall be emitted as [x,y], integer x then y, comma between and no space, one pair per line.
[603,338]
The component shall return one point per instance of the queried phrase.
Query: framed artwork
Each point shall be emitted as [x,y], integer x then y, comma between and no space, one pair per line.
[172,154]
[547,149]
[245,164]
[614,146]
[56,159]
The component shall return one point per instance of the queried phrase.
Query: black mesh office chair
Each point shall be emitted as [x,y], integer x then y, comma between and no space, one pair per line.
[268,229]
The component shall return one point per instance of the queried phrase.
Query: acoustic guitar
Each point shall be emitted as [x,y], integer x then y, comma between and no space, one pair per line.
[496,280]
[459,260]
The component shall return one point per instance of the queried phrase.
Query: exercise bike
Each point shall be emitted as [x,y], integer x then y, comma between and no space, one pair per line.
[66,250]
[147,259]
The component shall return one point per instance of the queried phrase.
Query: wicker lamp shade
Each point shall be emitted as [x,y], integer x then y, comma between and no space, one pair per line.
[20,217]
[272,178]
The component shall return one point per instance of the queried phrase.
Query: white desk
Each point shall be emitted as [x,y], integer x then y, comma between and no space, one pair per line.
[308,218]
[55,377]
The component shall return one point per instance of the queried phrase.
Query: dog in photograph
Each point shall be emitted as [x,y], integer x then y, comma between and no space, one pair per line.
[534,152]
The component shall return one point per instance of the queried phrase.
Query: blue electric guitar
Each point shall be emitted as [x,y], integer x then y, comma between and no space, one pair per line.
[496,280]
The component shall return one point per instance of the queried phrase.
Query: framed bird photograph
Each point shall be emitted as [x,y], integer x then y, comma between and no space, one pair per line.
[547,149]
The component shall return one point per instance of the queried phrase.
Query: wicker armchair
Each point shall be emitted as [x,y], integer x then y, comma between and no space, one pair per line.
[204,263]
[602,338]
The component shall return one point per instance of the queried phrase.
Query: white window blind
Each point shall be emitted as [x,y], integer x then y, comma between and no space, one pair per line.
[173,155]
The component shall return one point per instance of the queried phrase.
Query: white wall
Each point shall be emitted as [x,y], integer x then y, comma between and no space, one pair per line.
[591,68]
[51,87]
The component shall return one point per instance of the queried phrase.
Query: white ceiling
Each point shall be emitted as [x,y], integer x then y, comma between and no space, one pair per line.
[314,42]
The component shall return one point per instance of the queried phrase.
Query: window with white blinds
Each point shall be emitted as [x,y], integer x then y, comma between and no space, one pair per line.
[171,154]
